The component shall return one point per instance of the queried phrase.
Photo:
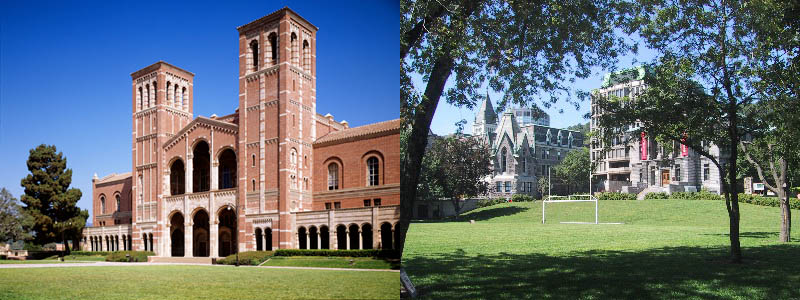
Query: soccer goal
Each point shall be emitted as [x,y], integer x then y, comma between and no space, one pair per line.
[572,198]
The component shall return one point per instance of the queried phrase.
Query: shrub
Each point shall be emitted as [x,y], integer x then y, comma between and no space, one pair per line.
[379,253]
[41,254]
[491,201]
[656,195]
[89,253]
[521,198]
[3,257]
[249,258]
[136,256]
[615,196]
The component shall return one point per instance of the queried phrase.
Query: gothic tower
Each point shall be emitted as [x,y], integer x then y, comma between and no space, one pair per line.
[162,105]
[277,106]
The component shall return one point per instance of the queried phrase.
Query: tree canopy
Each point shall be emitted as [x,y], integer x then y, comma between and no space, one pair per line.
[455,167]
[15,224]
[49,199]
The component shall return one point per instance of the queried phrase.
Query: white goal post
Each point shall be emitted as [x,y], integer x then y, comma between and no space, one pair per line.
[572,198]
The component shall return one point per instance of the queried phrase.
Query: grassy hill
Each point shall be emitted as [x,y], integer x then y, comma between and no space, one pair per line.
[665,249]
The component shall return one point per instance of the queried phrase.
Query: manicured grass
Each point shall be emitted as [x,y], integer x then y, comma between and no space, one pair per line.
[80,258]
[43,261]
[665,249]
[194,282]
[329,262]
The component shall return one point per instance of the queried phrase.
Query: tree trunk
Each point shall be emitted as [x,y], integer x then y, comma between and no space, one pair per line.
[786,219]
[418,140]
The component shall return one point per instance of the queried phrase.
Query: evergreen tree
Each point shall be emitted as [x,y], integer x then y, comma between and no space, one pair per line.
[49,199]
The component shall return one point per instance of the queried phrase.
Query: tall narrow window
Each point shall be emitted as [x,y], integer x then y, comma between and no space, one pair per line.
[333,177]
[117,196]
[184,99]
[170,96]
[295,50]
[177,101]
[254,52]
[147,96]
[139,99]
[273,44]
[503,160]
[155,94]
[372,169]
[102,204]
[306,56]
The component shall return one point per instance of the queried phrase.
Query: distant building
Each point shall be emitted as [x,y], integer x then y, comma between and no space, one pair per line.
[523,147]
[642,165]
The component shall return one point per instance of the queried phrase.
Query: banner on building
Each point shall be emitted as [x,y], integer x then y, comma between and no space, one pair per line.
[684,148]
[643,147]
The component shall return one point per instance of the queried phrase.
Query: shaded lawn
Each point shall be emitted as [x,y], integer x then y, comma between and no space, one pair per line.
[80,258]
[194,282]
[330,262]
[43,261]
[666,249]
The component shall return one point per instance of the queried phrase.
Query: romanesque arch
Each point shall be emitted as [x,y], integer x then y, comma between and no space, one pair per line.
[177,177]
[227,169]
[258,239]
[301,238]
[324,237]
[353,233]
[176,234]
[366,236]
[268,239]
[312,238]
[386,236]
[227,232]
[200,237]
[341,237]
[201,167]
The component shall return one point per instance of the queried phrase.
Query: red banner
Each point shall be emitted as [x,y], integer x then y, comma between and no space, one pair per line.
[684,148]
[643,147]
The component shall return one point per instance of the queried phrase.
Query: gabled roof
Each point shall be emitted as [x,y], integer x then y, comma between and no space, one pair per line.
[233,128]
[113,177]
[361,132]
[486,112]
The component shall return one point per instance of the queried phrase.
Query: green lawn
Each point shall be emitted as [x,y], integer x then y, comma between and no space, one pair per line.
[80,258]
[329,262]
[665,249]
[194,282]
[44,261]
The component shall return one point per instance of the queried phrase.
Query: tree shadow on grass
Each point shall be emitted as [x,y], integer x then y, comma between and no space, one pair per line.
[482,215]
[664,273]
[759,235]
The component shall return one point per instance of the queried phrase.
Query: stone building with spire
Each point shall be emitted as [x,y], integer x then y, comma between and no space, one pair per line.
[523,147]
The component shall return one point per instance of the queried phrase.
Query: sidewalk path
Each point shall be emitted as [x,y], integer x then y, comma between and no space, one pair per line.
[122,264]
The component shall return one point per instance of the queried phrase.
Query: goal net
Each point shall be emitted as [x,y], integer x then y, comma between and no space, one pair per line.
[572,198]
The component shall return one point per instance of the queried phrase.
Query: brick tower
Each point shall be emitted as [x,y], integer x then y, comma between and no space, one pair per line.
[162,105]
[277,106]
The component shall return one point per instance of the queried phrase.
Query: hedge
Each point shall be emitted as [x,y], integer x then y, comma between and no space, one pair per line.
[658,195]
[379,253]
[521,198]
[136,256]
[491,201]
[794,203]
[251,258]
[615,196]
[90,253]
[36,255]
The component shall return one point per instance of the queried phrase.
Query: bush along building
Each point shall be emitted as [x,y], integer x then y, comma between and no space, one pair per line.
[640,164]
[523,147]
[274,174]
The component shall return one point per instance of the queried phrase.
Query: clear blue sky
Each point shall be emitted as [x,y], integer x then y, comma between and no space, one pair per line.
[65,70]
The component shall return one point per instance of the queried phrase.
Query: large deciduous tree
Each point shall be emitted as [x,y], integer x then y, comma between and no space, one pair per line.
[574,170]
[15,224]
[705,75]
[458,168]
[49,199]
[527,50]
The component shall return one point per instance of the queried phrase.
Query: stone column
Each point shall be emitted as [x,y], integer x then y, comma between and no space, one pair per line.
[347,237]
[308,240]
[319,239]
[214,239]
[187,241]
[360,240]
[167,242]
[188,174]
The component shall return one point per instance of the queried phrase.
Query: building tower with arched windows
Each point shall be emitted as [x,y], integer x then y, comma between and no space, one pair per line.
[273,174]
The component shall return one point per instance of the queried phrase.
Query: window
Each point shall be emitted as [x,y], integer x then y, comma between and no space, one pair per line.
[273,43]
[253,163]
[372,169]
[102,204]
[117,196]
[295,54]
[377,202]
[508,186]
[503,160]
[499,187]
[333,177]
[306,56]
[677,172]
[524,164]
[706,172]
[337,205]
[328,206]
[367,202]
[254,52]
[253,184]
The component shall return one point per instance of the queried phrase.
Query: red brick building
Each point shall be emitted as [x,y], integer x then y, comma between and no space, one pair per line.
[273,174]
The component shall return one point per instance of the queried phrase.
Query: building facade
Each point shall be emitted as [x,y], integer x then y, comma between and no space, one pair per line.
[522,149]
[274,174]
[640,164]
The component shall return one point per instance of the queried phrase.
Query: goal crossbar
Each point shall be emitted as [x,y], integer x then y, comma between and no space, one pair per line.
[572,198]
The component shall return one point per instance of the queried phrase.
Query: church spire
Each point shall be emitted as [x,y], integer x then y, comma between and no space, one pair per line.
[486,114]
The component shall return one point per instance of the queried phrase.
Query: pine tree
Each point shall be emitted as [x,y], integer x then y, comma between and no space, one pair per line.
[49,199]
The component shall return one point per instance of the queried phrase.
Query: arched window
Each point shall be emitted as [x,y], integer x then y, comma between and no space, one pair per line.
[372,171]
[295,54]
[147,96]
[178,98]
[253,184]
[117,196]
[170,96]
[184,99]
[227,169]
[139,99]
[155,94]
[333,177]
[177,178]
[254,52]
[102,204]
[293,158]
[273,44]
[503,160]
[253,163]
[306,56]
[201,168]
